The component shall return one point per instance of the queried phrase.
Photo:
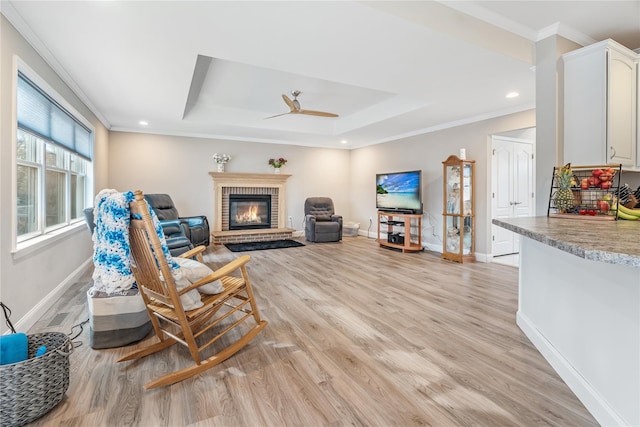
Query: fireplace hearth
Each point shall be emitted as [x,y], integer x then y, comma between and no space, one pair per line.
[249,211]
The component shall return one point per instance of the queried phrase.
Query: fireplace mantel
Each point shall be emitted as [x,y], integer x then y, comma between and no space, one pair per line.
[223,180]
[235,179]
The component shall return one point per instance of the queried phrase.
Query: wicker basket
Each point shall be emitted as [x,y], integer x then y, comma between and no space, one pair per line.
[33,387]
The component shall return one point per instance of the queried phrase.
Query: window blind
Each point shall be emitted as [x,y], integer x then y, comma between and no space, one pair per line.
[42,115]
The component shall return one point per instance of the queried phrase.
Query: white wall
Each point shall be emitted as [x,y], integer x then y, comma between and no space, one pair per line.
[549,112]
[28,282]
[427,152]
[180,167]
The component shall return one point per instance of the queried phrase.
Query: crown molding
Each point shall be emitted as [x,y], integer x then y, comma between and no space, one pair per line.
[563,30]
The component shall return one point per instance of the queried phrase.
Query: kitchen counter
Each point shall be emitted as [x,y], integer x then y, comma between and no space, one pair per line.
[579,304]
[614,242]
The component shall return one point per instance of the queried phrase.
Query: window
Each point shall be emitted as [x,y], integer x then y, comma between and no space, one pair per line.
[53,163]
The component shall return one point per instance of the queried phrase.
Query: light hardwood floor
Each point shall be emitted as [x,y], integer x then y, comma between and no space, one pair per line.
[358,335]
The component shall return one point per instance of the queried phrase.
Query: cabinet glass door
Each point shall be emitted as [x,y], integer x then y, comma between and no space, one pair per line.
[467,210]
[453,189]
[467,190]
[467,234]
[452,237]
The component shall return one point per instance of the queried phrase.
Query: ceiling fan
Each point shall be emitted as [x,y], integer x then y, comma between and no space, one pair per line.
[294,106]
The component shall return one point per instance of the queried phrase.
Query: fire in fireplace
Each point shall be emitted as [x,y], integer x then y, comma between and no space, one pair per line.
[249,211]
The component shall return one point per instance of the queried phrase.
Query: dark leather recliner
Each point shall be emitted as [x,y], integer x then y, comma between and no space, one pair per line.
[321,222]
[176,237]
[196,228]
[174,233]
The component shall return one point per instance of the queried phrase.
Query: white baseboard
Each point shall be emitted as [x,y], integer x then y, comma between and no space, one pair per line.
[595,404]
[33,315]
[482,257]
[432,247]
[370,235]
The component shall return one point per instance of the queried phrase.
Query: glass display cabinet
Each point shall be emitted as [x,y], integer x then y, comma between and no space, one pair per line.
[459,211]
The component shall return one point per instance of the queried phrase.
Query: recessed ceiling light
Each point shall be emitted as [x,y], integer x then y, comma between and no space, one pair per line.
[344,141]
[513,95]
[143,123]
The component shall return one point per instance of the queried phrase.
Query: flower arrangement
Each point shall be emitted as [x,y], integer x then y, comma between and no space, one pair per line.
[221,158]
[277,163]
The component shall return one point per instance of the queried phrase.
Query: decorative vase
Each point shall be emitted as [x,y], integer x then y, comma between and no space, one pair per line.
[276,170]
[220,167]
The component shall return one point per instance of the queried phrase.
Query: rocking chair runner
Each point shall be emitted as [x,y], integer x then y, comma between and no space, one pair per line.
[172,324]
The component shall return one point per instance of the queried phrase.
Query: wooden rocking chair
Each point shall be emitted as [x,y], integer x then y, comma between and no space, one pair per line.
[172,324]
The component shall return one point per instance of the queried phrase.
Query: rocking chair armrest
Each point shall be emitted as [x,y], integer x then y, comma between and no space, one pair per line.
[222,271]
[232,266]
[197,252]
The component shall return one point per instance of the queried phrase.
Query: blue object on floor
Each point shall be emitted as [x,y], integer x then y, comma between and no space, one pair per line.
[41,351]
[14,348]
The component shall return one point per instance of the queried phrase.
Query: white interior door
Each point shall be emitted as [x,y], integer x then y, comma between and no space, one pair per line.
[503,242]
[512,182]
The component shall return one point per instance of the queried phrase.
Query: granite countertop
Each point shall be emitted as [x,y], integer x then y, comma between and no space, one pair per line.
[614,242]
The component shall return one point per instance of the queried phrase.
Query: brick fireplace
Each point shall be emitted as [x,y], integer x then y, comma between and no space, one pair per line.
[249,211]
[228,186]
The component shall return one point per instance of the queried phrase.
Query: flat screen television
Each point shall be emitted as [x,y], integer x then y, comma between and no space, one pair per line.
[399,192]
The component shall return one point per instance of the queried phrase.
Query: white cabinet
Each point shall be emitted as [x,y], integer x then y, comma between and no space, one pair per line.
[600,111]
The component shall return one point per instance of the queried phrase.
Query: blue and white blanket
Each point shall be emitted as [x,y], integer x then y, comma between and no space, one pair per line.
[112,254]
[111,251]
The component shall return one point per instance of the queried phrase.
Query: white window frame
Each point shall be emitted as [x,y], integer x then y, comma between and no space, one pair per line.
[48,235]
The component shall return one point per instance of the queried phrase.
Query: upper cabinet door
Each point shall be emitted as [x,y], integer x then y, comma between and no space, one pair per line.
[621,109]
[600,111]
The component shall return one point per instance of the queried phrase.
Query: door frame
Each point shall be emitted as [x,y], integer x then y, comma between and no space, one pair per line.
[505,136]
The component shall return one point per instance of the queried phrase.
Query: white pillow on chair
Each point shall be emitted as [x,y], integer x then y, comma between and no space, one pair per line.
[191,271]
[194,271]
[191,300]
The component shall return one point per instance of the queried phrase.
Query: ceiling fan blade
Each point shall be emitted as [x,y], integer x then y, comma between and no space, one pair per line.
[289,102]
[294,106]
[317,113]
[278,115]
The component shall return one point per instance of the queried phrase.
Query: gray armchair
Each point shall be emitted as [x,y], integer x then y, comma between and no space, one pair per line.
[321,222]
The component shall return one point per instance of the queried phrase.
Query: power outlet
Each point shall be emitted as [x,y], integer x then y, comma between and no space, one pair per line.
[370,219]
[291,221]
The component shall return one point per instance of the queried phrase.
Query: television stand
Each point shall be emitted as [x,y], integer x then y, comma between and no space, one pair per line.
[397,227]
[393,222]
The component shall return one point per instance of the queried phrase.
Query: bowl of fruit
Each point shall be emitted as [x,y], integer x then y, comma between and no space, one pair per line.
[600,178]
